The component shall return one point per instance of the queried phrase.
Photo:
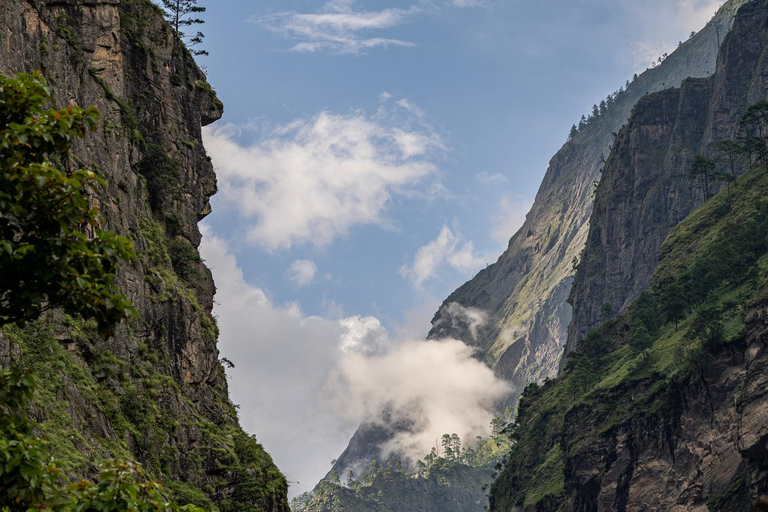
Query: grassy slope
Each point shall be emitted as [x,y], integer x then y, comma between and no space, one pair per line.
[719,251]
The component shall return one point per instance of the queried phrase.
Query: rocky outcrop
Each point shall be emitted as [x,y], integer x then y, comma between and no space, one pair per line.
[707,451]
[646,188]
[156,390]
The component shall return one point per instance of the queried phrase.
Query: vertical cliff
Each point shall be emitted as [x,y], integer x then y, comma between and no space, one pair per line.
[646,188]
[524,293]
[155,391]
[663,406]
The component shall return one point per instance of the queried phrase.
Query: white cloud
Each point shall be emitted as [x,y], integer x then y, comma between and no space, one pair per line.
[364,335]
[460,316]
[509,217]
[301,272]
[295,370]
[487,178]
[435,386]
[446,248]
[314,179]
[337,27]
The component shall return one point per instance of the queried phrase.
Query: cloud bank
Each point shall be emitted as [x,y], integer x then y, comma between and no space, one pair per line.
[314,179]
[435,386]
[304,383]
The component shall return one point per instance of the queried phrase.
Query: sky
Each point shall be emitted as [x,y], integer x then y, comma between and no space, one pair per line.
[373,156]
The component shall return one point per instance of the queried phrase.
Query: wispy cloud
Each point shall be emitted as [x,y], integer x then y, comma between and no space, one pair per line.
[301,272]
[447,249]
[337,27]
[314,179]
[487,178]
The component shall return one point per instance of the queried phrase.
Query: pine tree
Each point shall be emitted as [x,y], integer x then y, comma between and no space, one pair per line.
[574,132]
[181,14]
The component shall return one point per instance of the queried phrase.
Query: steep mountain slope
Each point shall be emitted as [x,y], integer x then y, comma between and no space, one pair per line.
[646,188]
[523,294]
[156,390]
[664,407]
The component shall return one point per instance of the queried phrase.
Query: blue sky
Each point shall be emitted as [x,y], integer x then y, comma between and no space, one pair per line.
[373,156]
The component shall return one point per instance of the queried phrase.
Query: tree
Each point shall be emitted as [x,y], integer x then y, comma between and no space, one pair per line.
[181,14]
[456,446]
[574,132]
[755,123]
[447,443]
[606,310]
[731,152]
[497,426]
[333,477]
[703,168]
[352,482]
[639,337]
[31,480]
[53,252]
[670,296]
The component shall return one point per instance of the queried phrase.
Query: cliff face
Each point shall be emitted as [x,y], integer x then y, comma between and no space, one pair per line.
[646,189]
[156,390]
[524,293]
[653,411]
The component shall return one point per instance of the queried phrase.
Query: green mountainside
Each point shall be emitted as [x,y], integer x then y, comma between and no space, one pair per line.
[645,387]
[662,406]
[156,390]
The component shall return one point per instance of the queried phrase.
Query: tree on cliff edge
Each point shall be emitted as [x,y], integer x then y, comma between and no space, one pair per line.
[182,14]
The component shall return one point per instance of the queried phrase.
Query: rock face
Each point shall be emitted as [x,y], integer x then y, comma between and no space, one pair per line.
[646,188]
[156,390]
[680,423]
[524,294]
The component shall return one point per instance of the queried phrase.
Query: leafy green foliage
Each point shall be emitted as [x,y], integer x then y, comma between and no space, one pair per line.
[30,480]
[53,252]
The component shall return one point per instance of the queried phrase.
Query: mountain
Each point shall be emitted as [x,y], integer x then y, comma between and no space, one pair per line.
[661,404]
[155,391]
[523,296]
